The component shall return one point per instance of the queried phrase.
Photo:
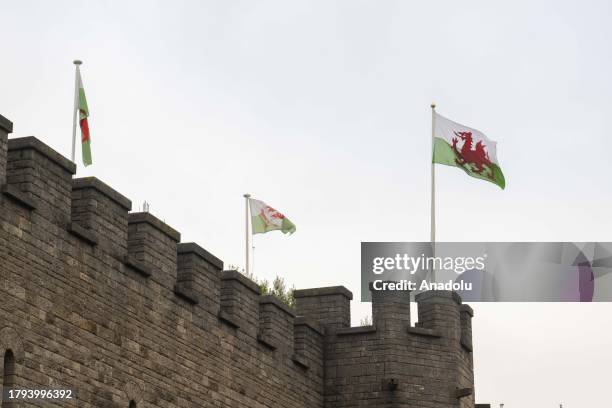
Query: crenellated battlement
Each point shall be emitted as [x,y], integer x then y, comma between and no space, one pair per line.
[164,317]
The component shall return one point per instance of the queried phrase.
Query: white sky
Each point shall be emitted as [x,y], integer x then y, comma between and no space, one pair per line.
[321,109]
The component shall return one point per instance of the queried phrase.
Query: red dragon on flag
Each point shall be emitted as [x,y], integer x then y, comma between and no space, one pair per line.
[478,157]
[267,213]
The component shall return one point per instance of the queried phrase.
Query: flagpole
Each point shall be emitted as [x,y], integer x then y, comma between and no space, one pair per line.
[76,104]
[433,192]
[246,233]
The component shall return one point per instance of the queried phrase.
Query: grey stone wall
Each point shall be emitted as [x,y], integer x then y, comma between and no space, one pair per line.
[391,364]
[113,305]
[6,127]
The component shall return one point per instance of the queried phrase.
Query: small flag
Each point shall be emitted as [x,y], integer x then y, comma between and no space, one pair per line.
[83,115]
[265,218]
[469,149]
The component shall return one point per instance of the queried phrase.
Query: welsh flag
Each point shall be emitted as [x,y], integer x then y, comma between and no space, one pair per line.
[83,115]
[469,149]
[265,218]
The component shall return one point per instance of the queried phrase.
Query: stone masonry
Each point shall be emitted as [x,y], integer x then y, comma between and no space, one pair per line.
[111,304]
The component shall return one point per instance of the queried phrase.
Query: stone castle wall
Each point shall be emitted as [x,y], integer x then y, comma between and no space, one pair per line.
[112,304]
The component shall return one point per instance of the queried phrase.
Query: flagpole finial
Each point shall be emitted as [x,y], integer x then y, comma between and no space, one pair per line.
[77,62]
[247,195]
[433,105]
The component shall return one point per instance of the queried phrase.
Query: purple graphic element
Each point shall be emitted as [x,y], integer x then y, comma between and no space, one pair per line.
[586,281]
[581,283]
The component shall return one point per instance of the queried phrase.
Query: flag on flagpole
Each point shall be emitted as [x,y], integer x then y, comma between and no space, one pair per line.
[265,218]
[83,123]
[469,149]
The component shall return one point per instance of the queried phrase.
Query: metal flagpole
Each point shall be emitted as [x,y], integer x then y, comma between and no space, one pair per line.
[76,106]
[246,233]
[433,193]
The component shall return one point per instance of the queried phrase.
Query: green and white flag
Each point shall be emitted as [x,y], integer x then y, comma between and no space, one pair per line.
[265,218]
[469,149]
[83,110]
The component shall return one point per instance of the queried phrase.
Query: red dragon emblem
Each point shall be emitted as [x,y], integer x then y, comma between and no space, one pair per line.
[270,212]
[477,159]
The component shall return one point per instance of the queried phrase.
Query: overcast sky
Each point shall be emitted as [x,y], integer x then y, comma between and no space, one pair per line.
[321,109]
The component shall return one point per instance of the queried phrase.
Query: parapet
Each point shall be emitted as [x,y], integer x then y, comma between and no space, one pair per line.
[276,324]
[330,306]
[198,276]
[440,314]
[40,180]
[240,301]
[102,213]
[37,181]
[391,363]
[467,313]
[87,234]
[6,127]
[154,244]
[390,309]
[42,176]
[440,310]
